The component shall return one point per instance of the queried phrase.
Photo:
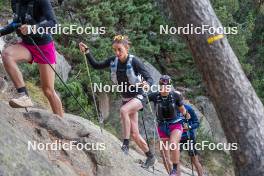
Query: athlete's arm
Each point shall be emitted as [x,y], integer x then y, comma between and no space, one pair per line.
[182,110]
[98,65]
[12,26]
[195,122]
[95,64]
[179,102]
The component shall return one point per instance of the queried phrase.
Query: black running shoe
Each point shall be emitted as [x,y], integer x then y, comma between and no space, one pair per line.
[173,172]
[150,161]
[125,149]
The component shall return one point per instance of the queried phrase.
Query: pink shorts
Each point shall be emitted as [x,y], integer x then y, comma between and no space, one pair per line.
[172,127]
[47,49]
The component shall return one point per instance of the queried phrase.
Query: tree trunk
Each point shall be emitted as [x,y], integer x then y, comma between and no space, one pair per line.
[240,111]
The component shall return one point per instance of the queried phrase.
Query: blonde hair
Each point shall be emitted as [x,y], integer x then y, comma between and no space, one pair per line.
[122,39]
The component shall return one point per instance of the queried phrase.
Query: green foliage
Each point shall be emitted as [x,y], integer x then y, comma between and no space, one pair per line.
[248,17]
[71,104]
[1,5]
[140,20]
[216,161]
[30,72]
[4,4]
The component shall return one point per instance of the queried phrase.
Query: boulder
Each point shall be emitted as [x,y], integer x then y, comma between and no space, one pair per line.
[2,69]
[207,108]
[62,67]
[20,131]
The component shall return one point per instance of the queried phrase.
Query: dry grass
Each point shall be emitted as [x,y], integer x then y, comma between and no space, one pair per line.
[37,96]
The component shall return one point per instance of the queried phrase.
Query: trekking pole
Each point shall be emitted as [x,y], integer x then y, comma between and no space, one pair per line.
[189,139]
[145,128]
[68,89]
[99,115]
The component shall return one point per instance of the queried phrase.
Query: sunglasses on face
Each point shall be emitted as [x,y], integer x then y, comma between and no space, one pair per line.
[164,81]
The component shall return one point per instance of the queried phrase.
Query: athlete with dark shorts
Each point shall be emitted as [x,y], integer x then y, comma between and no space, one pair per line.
[167,102]
[126,69]
[38,14]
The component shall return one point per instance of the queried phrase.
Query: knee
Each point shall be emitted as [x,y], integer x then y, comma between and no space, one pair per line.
[48,92]
[135,135]
[123,111]
[6,56]
[174,142]
[195,160]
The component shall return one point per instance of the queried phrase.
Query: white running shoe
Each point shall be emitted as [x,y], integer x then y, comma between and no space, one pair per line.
[21,101]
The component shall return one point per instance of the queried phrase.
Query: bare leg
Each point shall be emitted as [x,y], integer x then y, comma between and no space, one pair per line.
[130,107]
[174,141]
[135,133]
[47,77]
[11,56]
[197,165]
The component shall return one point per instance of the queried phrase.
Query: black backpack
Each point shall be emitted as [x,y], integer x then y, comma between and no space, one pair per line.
[171,110]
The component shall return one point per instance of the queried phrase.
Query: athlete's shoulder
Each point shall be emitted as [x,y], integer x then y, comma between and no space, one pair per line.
[155,93]
[153,96]
[176,94]
[188,107]
[135,59]
[133,56]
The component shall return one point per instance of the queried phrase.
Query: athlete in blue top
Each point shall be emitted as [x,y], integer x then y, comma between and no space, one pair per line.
[189,133]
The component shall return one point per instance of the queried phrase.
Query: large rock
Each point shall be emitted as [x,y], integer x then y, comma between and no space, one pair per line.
[104,104]
[155,74]
[146,115]
[3,85]
[204,124]
[18,130]
[208,110]
[62,67]
[2,44]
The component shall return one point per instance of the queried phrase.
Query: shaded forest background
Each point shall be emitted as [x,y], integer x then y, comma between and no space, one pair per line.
[141,20]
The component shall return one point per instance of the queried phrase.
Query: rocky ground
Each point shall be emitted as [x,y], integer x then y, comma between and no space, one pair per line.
[18,128]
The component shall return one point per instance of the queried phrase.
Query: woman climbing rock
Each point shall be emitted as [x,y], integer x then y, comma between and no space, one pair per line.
[127,70]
